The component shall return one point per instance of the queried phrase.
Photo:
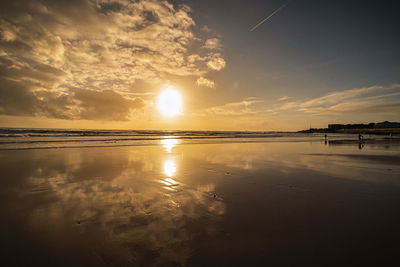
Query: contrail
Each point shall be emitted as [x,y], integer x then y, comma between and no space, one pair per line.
[267,18]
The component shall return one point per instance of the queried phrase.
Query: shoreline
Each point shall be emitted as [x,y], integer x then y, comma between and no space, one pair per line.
[382,131]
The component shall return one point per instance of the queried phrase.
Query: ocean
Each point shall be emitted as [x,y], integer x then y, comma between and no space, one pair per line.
[21,138]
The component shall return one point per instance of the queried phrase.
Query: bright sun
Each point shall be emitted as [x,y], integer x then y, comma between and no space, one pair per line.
[170,103]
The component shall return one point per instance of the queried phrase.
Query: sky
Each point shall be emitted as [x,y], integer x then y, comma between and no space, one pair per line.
[103,64]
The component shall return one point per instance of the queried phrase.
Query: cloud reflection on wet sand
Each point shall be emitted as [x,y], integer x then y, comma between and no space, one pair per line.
[119,198]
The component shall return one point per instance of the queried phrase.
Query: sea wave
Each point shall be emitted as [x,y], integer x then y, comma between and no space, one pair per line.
[21,132]
[23,138]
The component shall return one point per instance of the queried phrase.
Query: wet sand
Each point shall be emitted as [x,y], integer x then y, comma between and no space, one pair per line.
[218,204]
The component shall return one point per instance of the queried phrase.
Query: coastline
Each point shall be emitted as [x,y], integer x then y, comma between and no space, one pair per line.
[388,131]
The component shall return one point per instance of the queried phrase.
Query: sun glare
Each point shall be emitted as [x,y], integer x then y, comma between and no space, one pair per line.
[169,168]
[168,144]
[170,103]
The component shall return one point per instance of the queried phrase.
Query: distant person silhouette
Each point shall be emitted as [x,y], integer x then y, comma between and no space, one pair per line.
[360,146]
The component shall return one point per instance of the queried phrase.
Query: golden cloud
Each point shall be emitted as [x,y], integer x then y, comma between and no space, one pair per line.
[216,63]
[205,82]
[49,47]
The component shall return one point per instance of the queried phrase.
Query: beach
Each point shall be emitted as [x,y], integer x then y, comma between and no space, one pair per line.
[199,133]
[198,199]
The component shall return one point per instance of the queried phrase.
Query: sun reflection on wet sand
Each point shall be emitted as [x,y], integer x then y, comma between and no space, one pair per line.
[169,167]
[168,144]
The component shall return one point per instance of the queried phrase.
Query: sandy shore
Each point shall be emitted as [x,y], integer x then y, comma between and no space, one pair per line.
[384,159]
[217,204]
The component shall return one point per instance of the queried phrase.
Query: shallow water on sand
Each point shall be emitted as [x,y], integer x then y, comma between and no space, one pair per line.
[287,203]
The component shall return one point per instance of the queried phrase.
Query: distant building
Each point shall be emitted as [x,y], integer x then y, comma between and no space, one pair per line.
[351,126]
[387,124]
[380,125]
[335,126]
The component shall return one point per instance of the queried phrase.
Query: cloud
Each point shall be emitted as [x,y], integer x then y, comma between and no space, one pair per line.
[283,98]
[216,63]
[336,97]
[360,107]
[17,98]
[374,99]
[105,105]
[244,107]
[205,28]
[205,82]
[213,43]
[63,48]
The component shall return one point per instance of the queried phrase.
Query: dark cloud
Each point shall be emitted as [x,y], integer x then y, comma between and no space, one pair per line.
[105,105]
[55,105]
[110,7]
[16,98]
